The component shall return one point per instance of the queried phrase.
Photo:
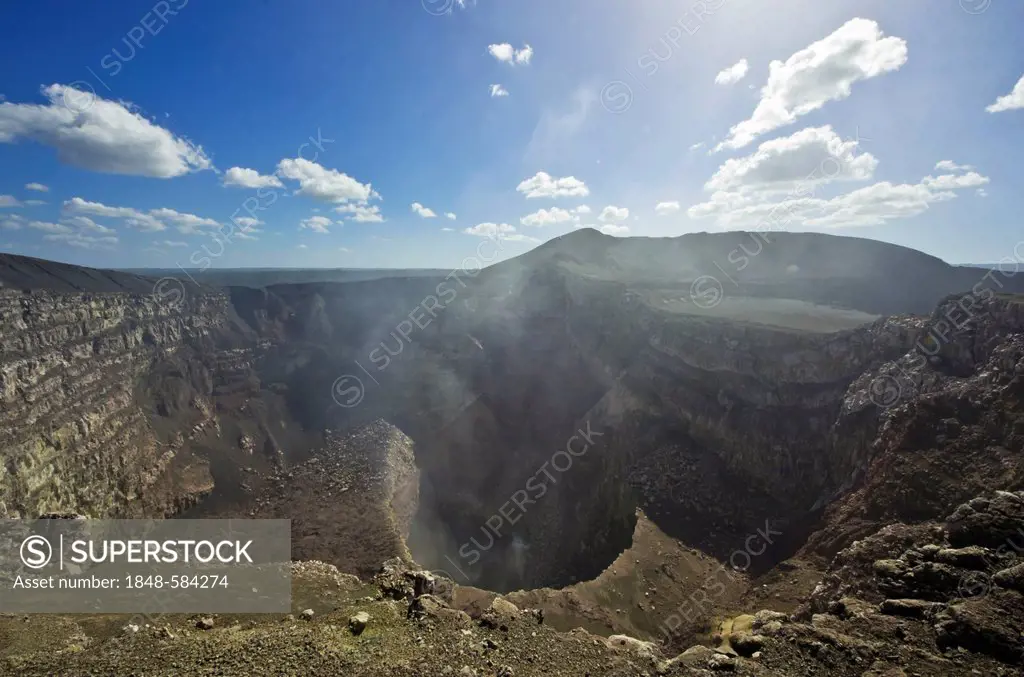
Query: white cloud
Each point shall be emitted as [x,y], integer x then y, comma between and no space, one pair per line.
[133,218]
[447,230]
[83,241]
[12,222]
[1011,101]
[302,246]
[555,215]
[77,231]
[809,157]
[876,204]
[325,184]
[506,53]
[869,206]
[489,229]
[822,72]
[188,224]
[145,223]
[78,205]
[954,181]
[9,201]
[519,237]
[153,221]
[345,250]
[503,52]
[500,231]
[733,73]
[524,55]
[317,224]
[247,223]
[697,146]
[172,243]
[950,166]
[981,192]
[612,213]
[450,215]
[56,228]
[543,185]
[85,224]
[361,213]
[498,90]
[422,212]
[34,203]
[250,178]
[547,217]
[105,136]
[37,187]
[612,229]
[666,208]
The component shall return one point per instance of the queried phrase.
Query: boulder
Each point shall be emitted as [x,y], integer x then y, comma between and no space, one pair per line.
[694,657]
[766,616]
[990,522]
[357,623]
[634,646]
[910,608]
[981,627]
[970,557]
[722,663]
[504,608]
[1011,578]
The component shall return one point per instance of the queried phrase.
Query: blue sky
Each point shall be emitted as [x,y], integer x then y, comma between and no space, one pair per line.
[896,121]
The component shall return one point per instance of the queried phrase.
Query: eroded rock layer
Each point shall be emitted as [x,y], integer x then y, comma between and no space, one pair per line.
[75,423]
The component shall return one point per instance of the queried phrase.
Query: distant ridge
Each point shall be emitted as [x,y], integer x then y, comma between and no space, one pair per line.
[1016,267]
[868,275]
[266,277]
[26,273]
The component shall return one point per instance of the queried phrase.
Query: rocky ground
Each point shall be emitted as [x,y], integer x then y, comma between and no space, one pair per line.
[662,590]
[941,598]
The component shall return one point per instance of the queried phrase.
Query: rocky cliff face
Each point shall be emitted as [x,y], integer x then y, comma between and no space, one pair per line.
[75,428]
[943,422]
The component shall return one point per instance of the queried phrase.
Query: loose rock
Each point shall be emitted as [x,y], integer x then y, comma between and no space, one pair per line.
[358,622]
